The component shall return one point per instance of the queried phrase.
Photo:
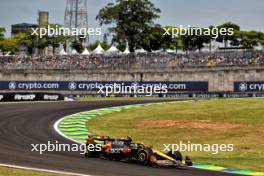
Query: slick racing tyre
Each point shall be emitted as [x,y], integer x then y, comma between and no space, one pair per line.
[91,154]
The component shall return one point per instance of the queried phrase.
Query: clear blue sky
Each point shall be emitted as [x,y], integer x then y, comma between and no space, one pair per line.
[249,14]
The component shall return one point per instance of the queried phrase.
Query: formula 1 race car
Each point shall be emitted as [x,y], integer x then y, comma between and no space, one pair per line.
[124,149]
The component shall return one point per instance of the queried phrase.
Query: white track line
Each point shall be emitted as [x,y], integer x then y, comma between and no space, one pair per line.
[56,128]
[42,170]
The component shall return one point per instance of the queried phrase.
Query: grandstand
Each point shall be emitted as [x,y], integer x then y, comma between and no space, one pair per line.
[130,61]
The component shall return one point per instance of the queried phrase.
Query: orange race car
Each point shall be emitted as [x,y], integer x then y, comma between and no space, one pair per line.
[126,150]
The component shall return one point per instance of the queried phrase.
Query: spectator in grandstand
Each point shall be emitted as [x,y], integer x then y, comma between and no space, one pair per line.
[124,62]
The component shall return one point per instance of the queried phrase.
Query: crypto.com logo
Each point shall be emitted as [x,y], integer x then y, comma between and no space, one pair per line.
[243,87]
[12,85]
[135,85]
[72,86]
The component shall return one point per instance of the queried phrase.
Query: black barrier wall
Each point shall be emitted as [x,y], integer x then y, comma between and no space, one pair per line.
[192,89]
[30,97]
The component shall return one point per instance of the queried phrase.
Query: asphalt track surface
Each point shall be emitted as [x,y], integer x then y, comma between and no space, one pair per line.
[23,124]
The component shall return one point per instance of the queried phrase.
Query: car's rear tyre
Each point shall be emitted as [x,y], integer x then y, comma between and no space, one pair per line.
[90,153]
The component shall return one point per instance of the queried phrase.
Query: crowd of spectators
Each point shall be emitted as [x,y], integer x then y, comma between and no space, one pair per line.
[141,61]
[202,60]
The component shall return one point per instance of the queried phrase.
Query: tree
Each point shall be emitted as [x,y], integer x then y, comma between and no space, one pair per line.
[133,20]
[94,45]
[198,41]
[52,40]
[9,45]
[2,33]
[262,38]
[249,39]
[55,41]
[169,42]
[77,45]
[23,39]
[226,38]
[105,38]
[211,38]
[154,39]
[26,40]
[192,42]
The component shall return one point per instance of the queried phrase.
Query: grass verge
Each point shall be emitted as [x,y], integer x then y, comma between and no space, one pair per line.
[221,121]
[4,171]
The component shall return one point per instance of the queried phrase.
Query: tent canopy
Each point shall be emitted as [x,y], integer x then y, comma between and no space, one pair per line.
[141,51]
[170,51]
[98,50]
[112,49]
[259,47]
[157,51]
[126,51]
[85,52]
[62,52]
[74,52]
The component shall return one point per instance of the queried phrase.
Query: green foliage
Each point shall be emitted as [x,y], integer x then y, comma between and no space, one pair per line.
[171,43]
[133,20]
[9,45]
[105,38]
[77,46]
[4,171]
[226,38]
[94,45]
[27,40]
[121,47]
[31,41]
[23,39]
[261,38]
[53,41]
[153,40]
[247,114]
[249,39]
[2,33]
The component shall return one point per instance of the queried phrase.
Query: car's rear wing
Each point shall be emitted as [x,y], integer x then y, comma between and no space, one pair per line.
[107,138]
[100,138]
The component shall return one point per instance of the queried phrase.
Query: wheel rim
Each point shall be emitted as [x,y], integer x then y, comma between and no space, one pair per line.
[142,157]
